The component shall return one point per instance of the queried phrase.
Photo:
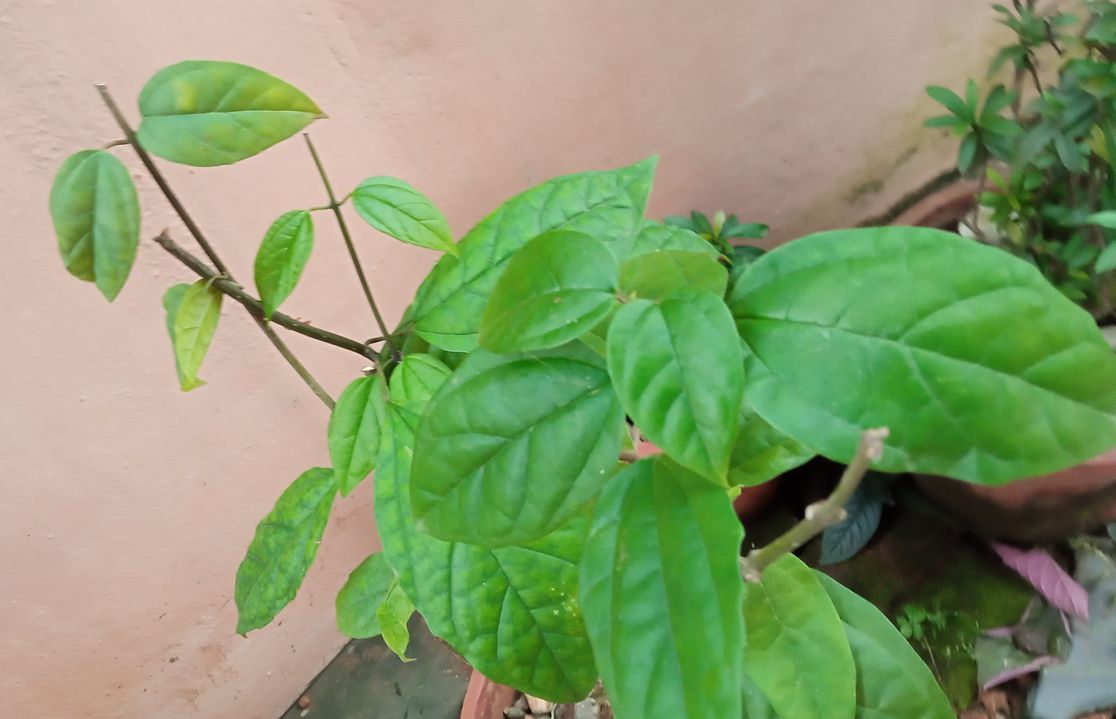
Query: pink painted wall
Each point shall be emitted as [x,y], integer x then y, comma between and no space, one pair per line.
[127,505]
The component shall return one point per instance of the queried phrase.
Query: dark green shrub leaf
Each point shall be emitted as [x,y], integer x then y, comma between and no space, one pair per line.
[355,427]
[606,205]
[372,603]
[951,102]
[967,154]
[663,537]
[284,547]
[678,369]
[844,540]
[797,654]
[657,237]
[934,336]
[281,258]
[892,682]
[95,212]
[512,446]
[762,452]
[400,211]
[195,321]
[655,275]
[205,112]
[417,378]
[553,290]
[512,612]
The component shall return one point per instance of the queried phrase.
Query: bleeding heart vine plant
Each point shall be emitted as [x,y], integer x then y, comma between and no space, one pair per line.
[500,416]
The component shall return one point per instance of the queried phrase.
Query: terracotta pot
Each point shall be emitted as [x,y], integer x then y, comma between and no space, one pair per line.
[1045,508]
[1050,507]
[485,699]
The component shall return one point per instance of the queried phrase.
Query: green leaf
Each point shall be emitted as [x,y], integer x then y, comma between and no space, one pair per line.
[553,290]
[171,299]
[1106,260]
[657,237]
[355,428]
[512,613]
[606,205]
[678,369]
[998,99]
[797,654]
[966,155]
[96,218]
[934,336]
[393,616]
[400,211]
[891,680]
[359,600]
[951,101]
[513,446]
[195,321]
[372,603]
[661,593]
[1106,219]
[417,378]
[281,258]
[205,112]
[655,275]
[762,452]
[949,122]
[283,549]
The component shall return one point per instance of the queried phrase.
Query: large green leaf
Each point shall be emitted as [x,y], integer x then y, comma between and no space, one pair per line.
[678,369]
[282,256]
[205,112]
[417,378]
[762,452]
[979,367]
[355,427]
[512,446]
[372,603]
[284,547]
[96,218]
[661,594]
[891,679]
[512,612]
[657,237]
[655,275]
[195,322]
[555,289]
[797,653]
[400,211]
[607,205]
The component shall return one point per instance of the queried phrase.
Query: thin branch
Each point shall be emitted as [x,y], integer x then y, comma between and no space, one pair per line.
[296,364]
[336,207]
[145,158]
[192,226]
[254,306]
[819,515]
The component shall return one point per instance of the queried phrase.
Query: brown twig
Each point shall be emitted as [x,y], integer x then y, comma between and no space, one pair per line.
[254,306]
[199,236]
[819,515]
[336,207]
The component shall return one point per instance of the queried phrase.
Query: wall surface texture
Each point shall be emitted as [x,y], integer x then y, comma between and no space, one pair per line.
[127,505]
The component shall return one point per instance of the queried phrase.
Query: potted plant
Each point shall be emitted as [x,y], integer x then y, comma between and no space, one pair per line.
[1045,191]
[513,512]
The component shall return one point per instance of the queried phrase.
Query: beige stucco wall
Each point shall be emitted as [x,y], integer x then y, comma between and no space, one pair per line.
[126,505]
